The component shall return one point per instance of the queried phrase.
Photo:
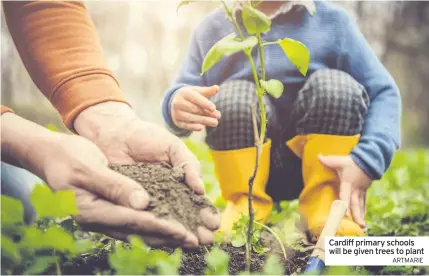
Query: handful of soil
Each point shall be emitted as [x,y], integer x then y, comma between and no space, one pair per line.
[170,197]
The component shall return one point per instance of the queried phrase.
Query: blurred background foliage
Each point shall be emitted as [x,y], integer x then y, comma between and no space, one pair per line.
[145,42]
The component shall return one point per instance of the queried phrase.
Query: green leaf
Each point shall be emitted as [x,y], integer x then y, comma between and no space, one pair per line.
[52,128]
[183,3]
[242,222]
[297,53]
[258,248]
[11,211]
[220,203]
[170,264]
[133,261]
[10,249]
[228,45]
[256,22]
[397,269]
[237,239]
[53,204]
[59,239]
[137,242]
[256,235]
[41,264]
[217,262]
[219,237]
[176,257]
[273,266]
[273,87]
[255,4]
[340,270]
[83,246]
[238,228]
[52,238]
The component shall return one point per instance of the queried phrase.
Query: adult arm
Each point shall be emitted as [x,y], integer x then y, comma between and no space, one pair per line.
[72,162]
[59,47]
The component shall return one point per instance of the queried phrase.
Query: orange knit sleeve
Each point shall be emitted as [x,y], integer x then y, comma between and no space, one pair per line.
[59,46]
[5,109]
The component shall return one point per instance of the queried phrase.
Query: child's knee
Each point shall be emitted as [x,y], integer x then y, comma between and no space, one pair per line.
[234,99]
[235,130]
[331,102]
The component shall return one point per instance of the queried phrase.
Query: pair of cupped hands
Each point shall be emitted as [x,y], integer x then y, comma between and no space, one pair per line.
[192,110]
[108,202]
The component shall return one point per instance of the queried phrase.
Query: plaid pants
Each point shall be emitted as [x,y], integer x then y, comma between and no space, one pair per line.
[330,102]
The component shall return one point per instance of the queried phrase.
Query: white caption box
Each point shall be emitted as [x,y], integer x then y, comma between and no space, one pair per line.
[395,251]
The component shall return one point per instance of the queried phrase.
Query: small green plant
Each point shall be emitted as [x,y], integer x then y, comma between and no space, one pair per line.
[51,240]
[137,258]
[217,262]
[239,236]
[37,248]
[255,23]
[273,266]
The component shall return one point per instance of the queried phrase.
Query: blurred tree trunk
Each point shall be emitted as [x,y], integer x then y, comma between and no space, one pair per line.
[407,56]
[399,34]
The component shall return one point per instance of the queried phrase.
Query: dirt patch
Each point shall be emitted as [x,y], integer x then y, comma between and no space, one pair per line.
[171,197]
[193,262]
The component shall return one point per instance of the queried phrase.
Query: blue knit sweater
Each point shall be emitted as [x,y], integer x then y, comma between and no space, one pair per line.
[334,41]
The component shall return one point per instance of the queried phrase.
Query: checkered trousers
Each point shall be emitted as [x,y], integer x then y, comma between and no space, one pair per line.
[330,102]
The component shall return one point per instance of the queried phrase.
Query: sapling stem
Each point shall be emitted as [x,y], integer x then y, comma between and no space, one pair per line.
[58,267]
[258,140]
[248,251]
[232,18]
[57,264]
[261,55]
[270,43]
[208,252]
[258,144]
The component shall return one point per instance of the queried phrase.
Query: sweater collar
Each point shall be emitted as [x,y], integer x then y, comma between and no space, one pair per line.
[287,7]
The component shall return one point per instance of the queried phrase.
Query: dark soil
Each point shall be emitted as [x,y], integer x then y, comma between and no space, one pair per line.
[171,197]
[193,262]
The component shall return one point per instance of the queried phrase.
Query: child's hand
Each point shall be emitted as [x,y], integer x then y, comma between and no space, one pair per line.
[192,110]
[353,186]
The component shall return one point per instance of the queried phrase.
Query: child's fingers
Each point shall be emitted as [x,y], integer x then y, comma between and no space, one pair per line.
[198,119]
[207,91]
[199,100]
[345,191]
[218,114]
[190,126]
[355,209]
[189,107]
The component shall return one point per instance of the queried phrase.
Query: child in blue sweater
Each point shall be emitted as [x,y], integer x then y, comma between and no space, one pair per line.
[329,135]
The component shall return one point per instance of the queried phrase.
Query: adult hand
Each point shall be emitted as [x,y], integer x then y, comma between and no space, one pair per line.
[354,184]
[107,201]
[125,139]
[192,110]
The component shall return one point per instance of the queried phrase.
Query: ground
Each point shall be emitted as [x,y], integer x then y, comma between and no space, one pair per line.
[397,206]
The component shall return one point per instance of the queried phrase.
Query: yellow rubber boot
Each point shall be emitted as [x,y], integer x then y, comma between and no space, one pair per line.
[321,184]
[233,169]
